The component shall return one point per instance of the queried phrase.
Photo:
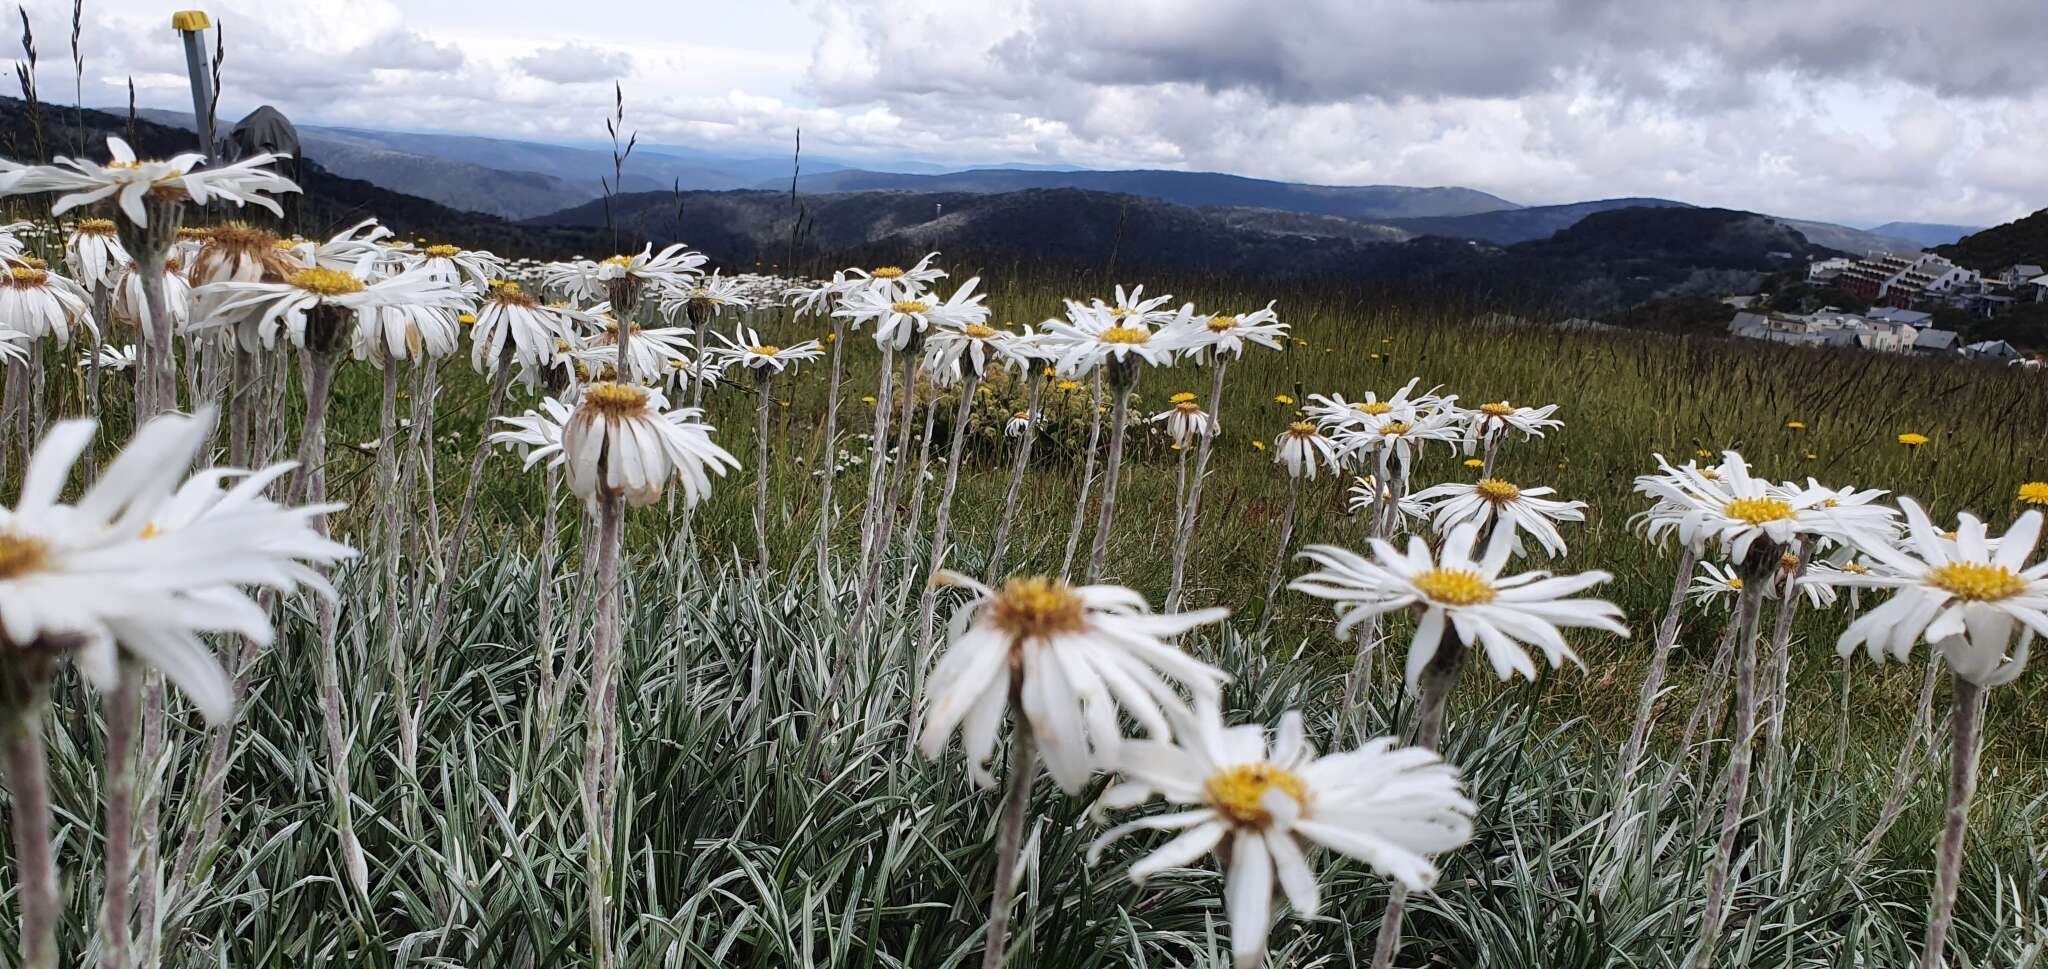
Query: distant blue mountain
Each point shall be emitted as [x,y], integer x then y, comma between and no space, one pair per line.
[1927,234]
[1375,203]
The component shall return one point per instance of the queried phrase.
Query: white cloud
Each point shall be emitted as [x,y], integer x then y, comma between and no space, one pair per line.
[1854,110]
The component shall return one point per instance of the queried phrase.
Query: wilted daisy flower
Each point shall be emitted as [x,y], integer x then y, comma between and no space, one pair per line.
[405,331]
[652,353]
[1483,609]
[1093,334]
[899,319]
[623,439]
[141,564]
[575,279]
[39,303]
[1491,421]
[1018,423]
[94,253]
[1226,335]
[751,352]
[894,282]
[818,299]
[1262,810]
[129,181]
[513,326]
[235,252]
[1960,595]
[536,434]
[1185,421]
[131,303]
[1085,654]
[1302,448]
[335,300]
[1519,510]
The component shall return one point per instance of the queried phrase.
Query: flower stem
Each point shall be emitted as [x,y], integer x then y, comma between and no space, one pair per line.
[1653,685]
[942,519]
[1010,837]
[1757,570]
[1280,552]
[1962,788]
[763,382]
[1122,382]
[122,733]
[1087,477]
[23,695]
[1436,681]
[1184,532]
[1018,466]
[828,462]
[501,378]
[598,736]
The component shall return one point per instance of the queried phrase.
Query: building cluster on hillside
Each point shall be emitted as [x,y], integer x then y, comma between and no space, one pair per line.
[1887,329]
[1924,281]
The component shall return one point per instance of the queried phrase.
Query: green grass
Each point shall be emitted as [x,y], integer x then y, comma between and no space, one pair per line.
[774,811]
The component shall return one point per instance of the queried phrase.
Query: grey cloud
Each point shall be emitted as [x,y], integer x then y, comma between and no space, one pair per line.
[573,63]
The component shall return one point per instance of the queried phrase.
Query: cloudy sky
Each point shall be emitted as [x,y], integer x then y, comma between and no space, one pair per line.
[1859,111]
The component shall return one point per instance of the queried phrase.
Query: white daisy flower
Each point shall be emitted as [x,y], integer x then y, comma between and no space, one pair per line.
[1480,607]
[1095,334]
[1134,309]
[1957,594]
[38,303]
[94,253]
[702,298]
[364,250]
[574,279]
[653,354]
[893,283]
[235,252]
[1404,405]
[1302,448]
[145,566]
[111,358]
[261,312]
[1394,444]
[952,352]
[818,299]
[673,266]
[749,351]
[462,268]
[406,331]
[536,434]
[1018,423]
[1731,509]
[510,321]
[1493,420]
[898,321]
[624,439]
[131,304]
[128,181]
[1085,654]
[1186,421]
[1224,335]
[1519,510]
[1262,809]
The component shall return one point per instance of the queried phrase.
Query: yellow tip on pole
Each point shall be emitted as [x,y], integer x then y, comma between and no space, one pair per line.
[190,20]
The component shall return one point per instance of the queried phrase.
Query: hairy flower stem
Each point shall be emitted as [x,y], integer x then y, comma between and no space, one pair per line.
[1087,477]
[550,529]
[1653,686]
[465,517]
[1841,755]
[1968,720]
[1123,379]
[1781,665]
[764,378]
[878,457]
[885,510]
[942,518]
[828,463]
[1274,574]
[1010,837]
[1184,529]
[1020,464]
[122,733]
[598,736]
[1438,676]
[1757,570]
[394,642]
[24,693]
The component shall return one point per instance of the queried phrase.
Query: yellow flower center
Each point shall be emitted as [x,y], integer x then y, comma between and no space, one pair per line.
[27,277]
[1235,791]
[2034,492]
[1735,582]
[1710,474]
[1036,607]
[466,319]
[326,282]
[1497,491]
[978,331]
[1188,407]
[1976,581]
[95,227]
[615,400]
[1788,561]
[1373,407]
[1501,409]
[195,232]
[888,272]
[21,555]
[1455,587]
[1302,429]
[619,261]
[910,306]
[511,295]
[1125,335]
[1757,511]
[443,251]
[1396,428]
[765,349]
[1855,568]
[34,262]
[1222,324]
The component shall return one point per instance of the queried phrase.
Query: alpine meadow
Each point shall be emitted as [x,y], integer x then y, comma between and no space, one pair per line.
[391,592]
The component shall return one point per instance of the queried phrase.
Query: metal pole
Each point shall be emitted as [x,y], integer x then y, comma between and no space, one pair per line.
[191,26]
